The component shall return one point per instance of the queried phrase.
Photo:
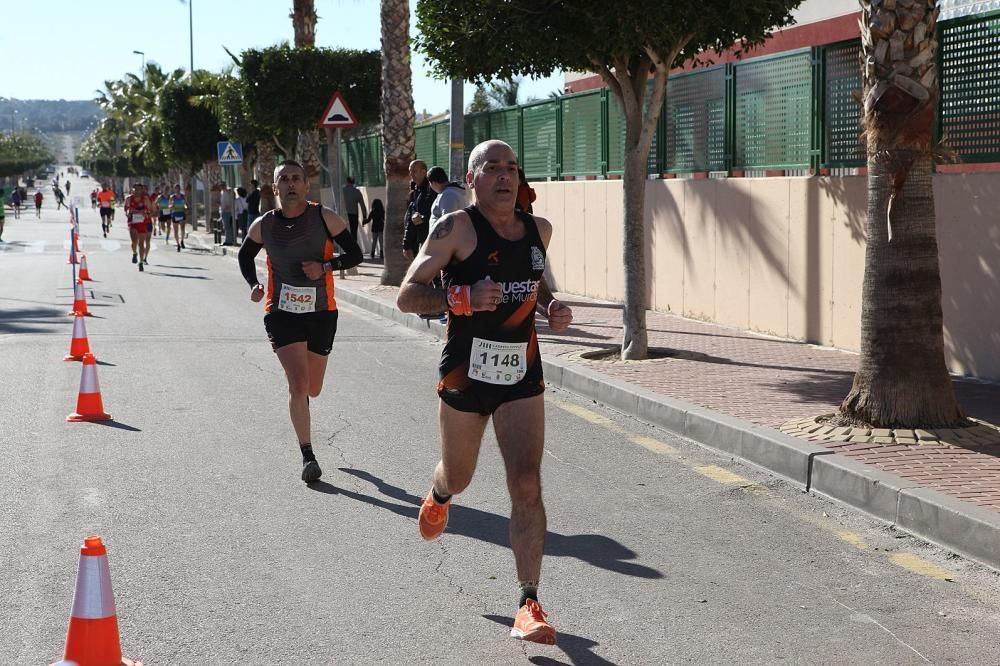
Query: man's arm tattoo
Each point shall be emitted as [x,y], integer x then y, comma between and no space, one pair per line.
[442,228]
[423,299]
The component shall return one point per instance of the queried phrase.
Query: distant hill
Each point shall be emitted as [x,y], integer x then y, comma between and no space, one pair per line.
[47,115]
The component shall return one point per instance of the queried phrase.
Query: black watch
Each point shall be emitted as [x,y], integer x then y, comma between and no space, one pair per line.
[327,266]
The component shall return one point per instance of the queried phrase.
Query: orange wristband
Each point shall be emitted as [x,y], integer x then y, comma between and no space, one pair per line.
[460,300]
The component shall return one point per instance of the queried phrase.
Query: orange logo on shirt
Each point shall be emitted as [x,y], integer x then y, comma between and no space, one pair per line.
[493,257]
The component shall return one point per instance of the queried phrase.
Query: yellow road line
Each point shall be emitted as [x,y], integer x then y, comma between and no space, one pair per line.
[584,414]
[654,445]
[723,476]
[921,566]
[852,538]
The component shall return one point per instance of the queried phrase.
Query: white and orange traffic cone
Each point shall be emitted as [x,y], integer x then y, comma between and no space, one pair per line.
[84,273]
[92,638]
[79,301]
[89,406]
[79,345]
[72,248]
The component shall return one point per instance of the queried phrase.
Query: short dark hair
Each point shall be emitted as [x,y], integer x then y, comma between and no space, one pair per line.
[291,163]
[437,175]
[350,180]
[254,182]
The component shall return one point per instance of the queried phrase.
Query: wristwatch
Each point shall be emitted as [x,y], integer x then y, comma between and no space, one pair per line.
[327,266]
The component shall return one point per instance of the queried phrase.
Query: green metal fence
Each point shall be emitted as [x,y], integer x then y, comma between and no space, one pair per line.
[792,111]
[969,67]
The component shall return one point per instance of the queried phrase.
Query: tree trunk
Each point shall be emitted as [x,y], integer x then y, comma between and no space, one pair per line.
[308,154]
[398,144]
[902,379]
[304,23]
[265,169]
[635,341]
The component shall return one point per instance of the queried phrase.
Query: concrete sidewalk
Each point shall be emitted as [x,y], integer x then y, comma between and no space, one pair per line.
[732,390]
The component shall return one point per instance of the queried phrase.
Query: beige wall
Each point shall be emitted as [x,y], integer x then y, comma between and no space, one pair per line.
[783,256]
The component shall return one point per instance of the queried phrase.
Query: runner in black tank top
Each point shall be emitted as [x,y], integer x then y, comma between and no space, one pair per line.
[492,259]
[511,370]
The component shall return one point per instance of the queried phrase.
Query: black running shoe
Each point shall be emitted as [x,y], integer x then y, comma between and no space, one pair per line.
[140,267]
[135,258]
[311,471]
[178,248]
[183,246]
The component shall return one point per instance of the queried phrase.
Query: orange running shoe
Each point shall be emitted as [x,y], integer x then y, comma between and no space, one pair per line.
[530,625]
[433,517]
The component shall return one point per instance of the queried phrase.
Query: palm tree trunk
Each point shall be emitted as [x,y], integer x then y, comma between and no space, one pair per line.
[398,143]
[265,171]
[304,23]
[902,379]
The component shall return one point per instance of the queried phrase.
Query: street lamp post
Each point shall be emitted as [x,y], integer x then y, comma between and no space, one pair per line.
[143,54]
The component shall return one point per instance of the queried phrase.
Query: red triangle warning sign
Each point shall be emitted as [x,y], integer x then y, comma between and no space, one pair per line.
[338,114]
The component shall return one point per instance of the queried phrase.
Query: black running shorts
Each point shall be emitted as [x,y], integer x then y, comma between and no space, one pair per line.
[484,398]
[316,329]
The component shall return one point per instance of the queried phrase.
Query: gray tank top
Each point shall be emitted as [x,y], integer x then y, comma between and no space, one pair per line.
[289,241]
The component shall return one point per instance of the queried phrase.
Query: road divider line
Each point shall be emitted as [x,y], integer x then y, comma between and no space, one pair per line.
[920,566]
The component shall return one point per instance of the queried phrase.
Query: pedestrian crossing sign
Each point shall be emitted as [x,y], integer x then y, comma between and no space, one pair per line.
[230,153]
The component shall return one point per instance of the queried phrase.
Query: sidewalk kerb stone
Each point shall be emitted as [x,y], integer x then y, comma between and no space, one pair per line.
[959,526]
[862,486]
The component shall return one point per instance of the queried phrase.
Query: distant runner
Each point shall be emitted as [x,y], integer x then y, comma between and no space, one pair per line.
[138,211]
[106,199]
[178,213]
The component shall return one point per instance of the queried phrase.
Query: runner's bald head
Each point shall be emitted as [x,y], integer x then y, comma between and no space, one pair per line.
[478,156]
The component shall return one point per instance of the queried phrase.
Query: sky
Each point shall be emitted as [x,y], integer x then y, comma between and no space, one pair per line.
[66,49]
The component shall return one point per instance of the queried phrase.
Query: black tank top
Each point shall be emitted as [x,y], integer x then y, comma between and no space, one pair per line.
[289,241]
[517,266]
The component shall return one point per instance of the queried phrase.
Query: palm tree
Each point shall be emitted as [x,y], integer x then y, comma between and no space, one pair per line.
[398,142]
[504,93]
[304,19]
[902,380]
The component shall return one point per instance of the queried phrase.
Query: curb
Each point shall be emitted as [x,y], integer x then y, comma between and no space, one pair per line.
[958,526]
[948,522]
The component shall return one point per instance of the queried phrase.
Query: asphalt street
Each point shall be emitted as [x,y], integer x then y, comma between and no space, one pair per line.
[658,551]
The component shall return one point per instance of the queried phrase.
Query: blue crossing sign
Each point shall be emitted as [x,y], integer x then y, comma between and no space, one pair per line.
[230,153]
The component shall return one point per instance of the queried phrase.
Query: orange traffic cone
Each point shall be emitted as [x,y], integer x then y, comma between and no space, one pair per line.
[79,345]
[79,301]
[92,638]
[84,273]
[76,238]
[89,406]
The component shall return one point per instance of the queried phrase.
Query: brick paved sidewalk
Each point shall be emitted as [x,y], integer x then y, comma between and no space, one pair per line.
[763,380]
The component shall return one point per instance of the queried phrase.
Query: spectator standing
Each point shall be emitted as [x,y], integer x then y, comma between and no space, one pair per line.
[377,218]
[415,227]
[451,196]
[525,193]
[227,203]
[253,201]
[353,199]
[240,211]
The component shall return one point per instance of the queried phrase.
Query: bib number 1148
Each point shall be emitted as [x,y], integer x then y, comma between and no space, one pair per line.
[494,362]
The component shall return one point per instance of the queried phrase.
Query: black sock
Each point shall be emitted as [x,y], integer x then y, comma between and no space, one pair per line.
[529,590]
[307,453]
[440,499]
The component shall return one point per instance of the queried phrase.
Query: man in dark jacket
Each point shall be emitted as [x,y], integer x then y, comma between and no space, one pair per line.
[418,212]
[253,201]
